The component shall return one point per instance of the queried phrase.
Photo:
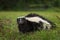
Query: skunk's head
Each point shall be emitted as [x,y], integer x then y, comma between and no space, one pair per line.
[20,20]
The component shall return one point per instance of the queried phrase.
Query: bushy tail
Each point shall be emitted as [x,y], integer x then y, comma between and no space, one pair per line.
[53,25]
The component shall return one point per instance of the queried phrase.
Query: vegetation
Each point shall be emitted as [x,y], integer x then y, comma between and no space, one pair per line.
[28,4]
[9,29]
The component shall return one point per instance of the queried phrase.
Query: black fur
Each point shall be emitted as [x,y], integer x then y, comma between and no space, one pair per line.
[28,26]
[36,15]
[25,26]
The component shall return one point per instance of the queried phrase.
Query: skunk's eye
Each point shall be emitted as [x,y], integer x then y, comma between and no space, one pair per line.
[20,21]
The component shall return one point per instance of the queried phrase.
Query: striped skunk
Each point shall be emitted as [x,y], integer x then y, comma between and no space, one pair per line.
[32,22]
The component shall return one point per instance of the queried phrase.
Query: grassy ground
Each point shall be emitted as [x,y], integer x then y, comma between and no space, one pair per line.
[9,30]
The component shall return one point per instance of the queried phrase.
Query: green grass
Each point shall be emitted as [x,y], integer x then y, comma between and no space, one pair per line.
[10,30]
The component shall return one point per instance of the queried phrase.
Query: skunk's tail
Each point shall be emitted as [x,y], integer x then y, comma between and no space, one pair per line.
[53,25]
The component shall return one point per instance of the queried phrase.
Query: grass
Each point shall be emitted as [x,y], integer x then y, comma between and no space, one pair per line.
[10,29]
